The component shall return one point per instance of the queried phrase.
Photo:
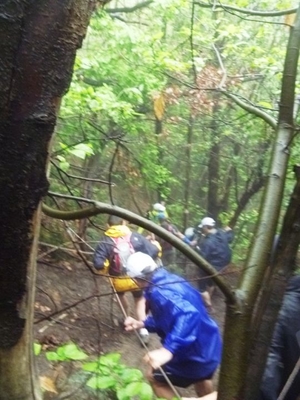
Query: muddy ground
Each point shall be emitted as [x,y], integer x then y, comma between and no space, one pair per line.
[74,305]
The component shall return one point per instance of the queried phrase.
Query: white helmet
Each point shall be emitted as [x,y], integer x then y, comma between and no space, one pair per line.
[207,221]
[159,207]
[139,264]
[189,232]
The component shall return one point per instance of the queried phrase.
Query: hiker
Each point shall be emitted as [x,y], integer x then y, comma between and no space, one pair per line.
[168,251]
[158,211]
[214,247]
[106,255]
[191,341]
[284,351]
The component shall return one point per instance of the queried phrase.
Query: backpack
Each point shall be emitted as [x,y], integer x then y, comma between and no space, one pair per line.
[122,250]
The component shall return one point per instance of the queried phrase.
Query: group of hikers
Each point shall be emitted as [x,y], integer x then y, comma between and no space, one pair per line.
[167,304]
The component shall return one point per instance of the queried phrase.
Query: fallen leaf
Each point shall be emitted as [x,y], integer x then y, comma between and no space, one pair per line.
[47,384]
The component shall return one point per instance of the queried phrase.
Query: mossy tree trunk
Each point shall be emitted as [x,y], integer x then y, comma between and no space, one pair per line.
[38,42]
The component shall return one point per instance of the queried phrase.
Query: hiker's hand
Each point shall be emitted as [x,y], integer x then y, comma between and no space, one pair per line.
[157,358]
[131,324]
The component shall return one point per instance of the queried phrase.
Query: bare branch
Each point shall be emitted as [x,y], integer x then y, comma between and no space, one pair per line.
[81,177]
[129,9]
[251,109]
[247,11]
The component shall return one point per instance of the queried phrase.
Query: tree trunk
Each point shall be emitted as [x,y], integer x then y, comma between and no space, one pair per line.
[38,42]
[213,205]
[271,299]
[233,386]
[188,167]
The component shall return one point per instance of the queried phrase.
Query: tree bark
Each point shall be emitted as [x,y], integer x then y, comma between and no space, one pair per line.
[38,42]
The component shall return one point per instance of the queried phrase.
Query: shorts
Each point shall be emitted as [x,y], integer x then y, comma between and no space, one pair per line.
[176,380]
[204,282]
[124,284]
[137,294]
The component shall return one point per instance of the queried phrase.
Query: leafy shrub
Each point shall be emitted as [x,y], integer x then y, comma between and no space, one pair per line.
[107,374]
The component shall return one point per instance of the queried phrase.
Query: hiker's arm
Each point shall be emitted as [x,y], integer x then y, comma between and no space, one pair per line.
[158,357]
[204,249]
[101,255]
[132,324]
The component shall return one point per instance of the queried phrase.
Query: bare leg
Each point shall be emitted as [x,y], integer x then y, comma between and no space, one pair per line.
[211,290]
[204,387]
[161,389]
[206,298]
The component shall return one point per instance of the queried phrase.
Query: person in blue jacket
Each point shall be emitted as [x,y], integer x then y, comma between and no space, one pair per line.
[214,247]
[191,341]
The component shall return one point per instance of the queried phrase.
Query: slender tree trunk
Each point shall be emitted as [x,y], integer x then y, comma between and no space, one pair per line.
[38,42]
[188,172]
[213,167]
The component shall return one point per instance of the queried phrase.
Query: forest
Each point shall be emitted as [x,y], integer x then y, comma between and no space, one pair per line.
[108,107]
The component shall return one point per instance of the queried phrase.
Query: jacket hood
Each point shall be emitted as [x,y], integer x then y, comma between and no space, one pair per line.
[117,231]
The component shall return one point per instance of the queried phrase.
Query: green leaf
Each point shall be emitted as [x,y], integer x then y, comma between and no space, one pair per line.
[63,163]
[52,356]
[72,352]
[91,367]
[131,374]
[121,394]
[110,359]
[97,368]
[142,389]
[146,392]
[101,382]
[37,348]
[81,150]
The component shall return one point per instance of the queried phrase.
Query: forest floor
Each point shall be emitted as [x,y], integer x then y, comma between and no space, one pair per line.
[74,305]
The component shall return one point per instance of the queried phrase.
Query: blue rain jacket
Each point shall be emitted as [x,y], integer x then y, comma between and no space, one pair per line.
[179,317]
[215,248]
